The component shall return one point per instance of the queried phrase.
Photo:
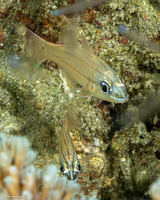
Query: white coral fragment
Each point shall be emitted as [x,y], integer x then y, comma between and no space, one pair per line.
[155,190]
[20,178]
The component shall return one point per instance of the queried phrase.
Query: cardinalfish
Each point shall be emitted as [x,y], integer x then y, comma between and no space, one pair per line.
[69,162]
[80,65]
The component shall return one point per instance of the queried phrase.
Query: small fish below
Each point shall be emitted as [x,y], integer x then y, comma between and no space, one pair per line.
[79,64]
[70,165]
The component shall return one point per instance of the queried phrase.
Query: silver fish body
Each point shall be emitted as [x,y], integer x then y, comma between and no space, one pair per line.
[94,75]
[69,162]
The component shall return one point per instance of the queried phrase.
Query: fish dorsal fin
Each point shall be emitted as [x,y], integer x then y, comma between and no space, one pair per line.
[69,36]
[85,45]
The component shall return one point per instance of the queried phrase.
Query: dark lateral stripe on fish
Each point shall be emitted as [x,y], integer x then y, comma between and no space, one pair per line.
[68,142]
[62,151]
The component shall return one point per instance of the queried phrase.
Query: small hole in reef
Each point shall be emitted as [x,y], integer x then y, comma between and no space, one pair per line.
[141,136]
[157,154]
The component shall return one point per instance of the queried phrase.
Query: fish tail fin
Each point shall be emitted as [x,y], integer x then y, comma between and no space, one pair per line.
[35,46]
[71,120]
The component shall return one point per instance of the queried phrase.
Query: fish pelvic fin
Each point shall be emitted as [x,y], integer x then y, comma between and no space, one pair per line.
[69,81]
[84,93]
[35,46]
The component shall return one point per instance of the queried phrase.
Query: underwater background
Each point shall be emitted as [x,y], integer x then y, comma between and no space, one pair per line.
[118,145]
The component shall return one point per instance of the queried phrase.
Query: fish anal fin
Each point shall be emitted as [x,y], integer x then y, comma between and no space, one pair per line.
[85,45]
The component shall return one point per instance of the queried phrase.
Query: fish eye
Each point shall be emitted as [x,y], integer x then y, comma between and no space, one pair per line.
[75,175]
[62,168]
[79,167]
[105,87]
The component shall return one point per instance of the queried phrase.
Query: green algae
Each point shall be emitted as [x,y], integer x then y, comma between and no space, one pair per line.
[33,101]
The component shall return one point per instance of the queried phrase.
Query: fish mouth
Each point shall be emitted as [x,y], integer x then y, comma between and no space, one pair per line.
[120,99]
[119,94]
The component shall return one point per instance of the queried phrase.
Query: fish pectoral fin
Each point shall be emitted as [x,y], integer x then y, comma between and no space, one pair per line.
[84,93]
[85,45]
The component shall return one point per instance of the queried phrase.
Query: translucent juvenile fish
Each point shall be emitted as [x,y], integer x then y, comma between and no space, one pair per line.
[69,162]
[94,76]
[138,38]
[78,7]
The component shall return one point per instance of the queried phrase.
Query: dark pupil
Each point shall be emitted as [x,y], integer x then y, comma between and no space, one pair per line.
[79,167]
[105,86]
[62,168]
